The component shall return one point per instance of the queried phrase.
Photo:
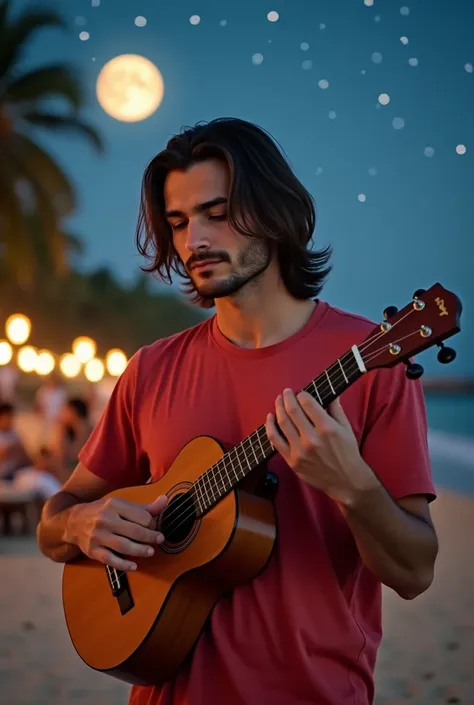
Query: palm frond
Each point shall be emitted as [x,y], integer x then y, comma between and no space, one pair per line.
[73,243]
[15,236]
[56,81]
[4,6]
[65,123]
[36,165]
[15,34]
[42,243]
[51,253]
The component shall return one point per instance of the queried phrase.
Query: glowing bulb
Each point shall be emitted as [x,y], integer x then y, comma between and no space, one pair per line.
[116,362]
[6,352]
[70,365]
[94,370]
[26,358]
[84,349]
[44,363]
[18,328]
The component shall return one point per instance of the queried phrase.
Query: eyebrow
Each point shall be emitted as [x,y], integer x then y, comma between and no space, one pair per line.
[198,208]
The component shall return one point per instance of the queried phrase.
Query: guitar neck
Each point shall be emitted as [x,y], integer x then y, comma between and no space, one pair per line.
[254,450]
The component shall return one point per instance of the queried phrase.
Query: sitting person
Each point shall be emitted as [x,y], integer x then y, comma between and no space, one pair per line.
[72,430]
[21,479]
[13,455]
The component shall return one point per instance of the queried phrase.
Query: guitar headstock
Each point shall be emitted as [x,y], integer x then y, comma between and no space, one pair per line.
[431,317]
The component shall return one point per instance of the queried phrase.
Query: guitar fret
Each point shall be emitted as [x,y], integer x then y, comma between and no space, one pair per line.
[257,447]
[317,392]
[196,495]
[342,370]
[260,444]
[329,382]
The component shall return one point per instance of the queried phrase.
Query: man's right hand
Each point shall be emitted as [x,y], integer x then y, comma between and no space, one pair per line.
[109,526]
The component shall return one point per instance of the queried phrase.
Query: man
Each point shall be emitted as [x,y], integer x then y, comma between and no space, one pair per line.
[222,208]
[71,431]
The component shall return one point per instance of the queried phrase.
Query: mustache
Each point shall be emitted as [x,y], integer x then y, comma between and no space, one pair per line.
[206,257]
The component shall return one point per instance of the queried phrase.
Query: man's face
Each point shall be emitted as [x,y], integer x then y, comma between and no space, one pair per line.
[219,260]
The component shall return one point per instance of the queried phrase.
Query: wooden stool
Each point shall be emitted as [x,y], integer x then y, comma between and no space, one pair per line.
[28,510]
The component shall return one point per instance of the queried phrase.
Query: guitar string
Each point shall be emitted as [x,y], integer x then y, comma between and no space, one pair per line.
[266,442]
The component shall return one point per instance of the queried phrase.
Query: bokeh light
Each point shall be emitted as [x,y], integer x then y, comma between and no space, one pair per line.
[26,358]
[45,363]
[94,370]
[70,365]
[18,328]
[84,348]
[116,362]
[6,352]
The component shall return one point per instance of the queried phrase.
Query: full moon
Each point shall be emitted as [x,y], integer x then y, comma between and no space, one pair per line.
[129,88]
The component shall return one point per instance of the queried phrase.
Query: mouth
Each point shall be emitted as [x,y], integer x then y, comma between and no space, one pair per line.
[201,266]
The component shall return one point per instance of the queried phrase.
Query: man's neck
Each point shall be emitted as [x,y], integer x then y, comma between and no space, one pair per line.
[259,318]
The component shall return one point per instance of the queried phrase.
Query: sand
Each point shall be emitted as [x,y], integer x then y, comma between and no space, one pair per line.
[427,655]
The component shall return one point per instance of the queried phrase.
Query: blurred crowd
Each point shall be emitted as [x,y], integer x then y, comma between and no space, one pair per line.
[39,444]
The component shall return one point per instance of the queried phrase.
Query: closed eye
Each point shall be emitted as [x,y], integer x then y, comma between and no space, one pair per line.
[183,223]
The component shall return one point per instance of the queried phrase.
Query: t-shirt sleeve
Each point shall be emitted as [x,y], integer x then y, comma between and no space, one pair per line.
[395,442]
[113,451]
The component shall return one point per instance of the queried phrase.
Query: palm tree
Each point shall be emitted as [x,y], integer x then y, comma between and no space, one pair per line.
[35,193]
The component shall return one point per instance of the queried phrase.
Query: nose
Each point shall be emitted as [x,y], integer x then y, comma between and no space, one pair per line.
[197,239]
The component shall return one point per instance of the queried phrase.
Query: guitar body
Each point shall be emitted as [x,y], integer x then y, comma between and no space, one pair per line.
[142,632]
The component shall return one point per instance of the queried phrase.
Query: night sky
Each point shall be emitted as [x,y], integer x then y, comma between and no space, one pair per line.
[393,181]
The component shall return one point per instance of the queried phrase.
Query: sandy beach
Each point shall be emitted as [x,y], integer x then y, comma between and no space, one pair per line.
[426,658]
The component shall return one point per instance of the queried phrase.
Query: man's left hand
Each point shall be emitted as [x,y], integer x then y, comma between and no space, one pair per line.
[320,446]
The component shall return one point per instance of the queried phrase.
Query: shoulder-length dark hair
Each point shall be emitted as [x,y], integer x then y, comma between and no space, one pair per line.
[266,200]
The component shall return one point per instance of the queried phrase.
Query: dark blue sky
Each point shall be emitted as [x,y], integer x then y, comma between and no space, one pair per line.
[416,224]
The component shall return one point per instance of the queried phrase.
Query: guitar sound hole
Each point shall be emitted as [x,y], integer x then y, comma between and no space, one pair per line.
[177,521]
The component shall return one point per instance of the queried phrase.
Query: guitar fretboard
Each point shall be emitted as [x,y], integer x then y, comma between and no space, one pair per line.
[246,456]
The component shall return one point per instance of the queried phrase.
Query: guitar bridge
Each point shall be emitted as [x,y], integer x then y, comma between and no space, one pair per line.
[120,588]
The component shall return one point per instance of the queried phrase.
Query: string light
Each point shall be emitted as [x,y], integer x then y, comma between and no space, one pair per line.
[94,370]
[6,352]
[18,328]
[45,363]
[26,358]
[116,362]
[84,348]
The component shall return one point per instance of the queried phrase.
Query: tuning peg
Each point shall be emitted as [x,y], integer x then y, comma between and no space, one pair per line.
[445,354]
[414,370]
[390,311]
[418,293]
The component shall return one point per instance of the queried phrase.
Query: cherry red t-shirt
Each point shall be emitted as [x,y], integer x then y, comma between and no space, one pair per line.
[307,629]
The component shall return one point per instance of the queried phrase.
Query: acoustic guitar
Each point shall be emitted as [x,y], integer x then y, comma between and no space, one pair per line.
[140,626]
